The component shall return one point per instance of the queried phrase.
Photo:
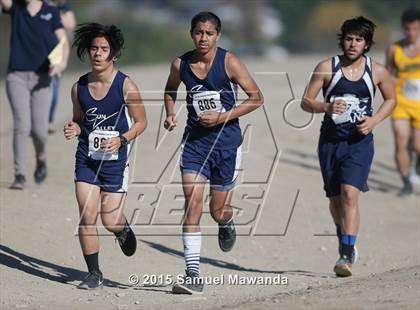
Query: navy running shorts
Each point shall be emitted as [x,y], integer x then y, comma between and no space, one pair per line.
[345,162]
[110,175]
[219,166]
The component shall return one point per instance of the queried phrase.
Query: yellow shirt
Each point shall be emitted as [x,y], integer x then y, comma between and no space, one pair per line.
[408,77]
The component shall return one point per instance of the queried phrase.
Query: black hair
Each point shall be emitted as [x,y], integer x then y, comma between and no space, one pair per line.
[205,17]
[410,15]
[360,26]
[86,33]
[21,3]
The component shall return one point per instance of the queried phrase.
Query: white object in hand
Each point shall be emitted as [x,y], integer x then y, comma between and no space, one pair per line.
[352,103]
[57,54]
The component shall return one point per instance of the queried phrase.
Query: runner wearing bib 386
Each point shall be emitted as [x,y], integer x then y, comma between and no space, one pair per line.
[403,61]
[104,103]
[211,145]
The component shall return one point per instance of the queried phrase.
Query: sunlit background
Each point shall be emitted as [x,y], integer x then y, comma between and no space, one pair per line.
[158,30]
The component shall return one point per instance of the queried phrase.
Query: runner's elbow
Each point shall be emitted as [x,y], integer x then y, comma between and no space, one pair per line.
[393,103]
[305,105]
[258,99]
[143,125]
[261,102]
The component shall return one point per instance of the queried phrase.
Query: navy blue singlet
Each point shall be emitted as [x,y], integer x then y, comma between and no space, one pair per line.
[214,93]
[107,114]
[359,97]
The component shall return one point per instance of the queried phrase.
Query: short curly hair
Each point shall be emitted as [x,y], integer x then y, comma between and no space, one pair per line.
[360,26]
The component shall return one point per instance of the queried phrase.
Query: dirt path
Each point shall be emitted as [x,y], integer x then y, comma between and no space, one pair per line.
[282,218]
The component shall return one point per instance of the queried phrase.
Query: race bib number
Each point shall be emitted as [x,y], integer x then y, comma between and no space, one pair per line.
[208,101]
[96,137]
[411,90]
[353,111]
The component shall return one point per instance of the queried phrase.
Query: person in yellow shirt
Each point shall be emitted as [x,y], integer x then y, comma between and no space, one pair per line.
[403,61]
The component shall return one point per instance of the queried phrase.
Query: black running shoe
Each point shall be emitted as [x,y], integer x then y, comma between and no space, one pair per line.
[191,284]
[227,236]
[127,240]
[92,281]
[406,190]
[40,173]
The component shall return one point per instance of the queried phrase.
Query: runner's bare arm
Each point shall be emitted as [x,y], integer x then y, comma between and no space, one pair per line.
[238,73]
[171,88]
[386,86]
[389,60]
[383,79]
[135,109]
[73,129]
[390,63]
[320,76]
[137,112]
[78,114]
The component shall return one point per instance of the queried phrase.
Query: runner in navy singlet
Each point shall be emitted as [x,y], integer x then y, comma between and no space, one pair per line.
[211,145]
[108,114]
[345,146]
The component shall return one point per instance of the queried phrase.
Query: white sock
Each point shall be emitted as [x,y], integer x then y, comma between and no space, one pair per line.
[192,246]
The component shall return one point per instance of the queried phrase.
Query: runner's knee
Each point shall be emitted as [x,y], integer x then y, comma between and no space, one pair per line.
[111,223]
[219,212]
[348,198]
[88,216]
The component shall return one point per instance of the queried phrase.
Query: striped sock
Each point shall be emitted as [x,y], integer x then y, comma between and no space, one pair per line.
[348,242]
[192,245]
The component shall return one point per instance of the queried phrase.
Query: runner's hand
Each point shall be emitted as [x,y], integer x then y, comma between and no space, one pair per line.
[337,107]
[170,122]
[366,125]
[111,145]
[71,130]
[211,119]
